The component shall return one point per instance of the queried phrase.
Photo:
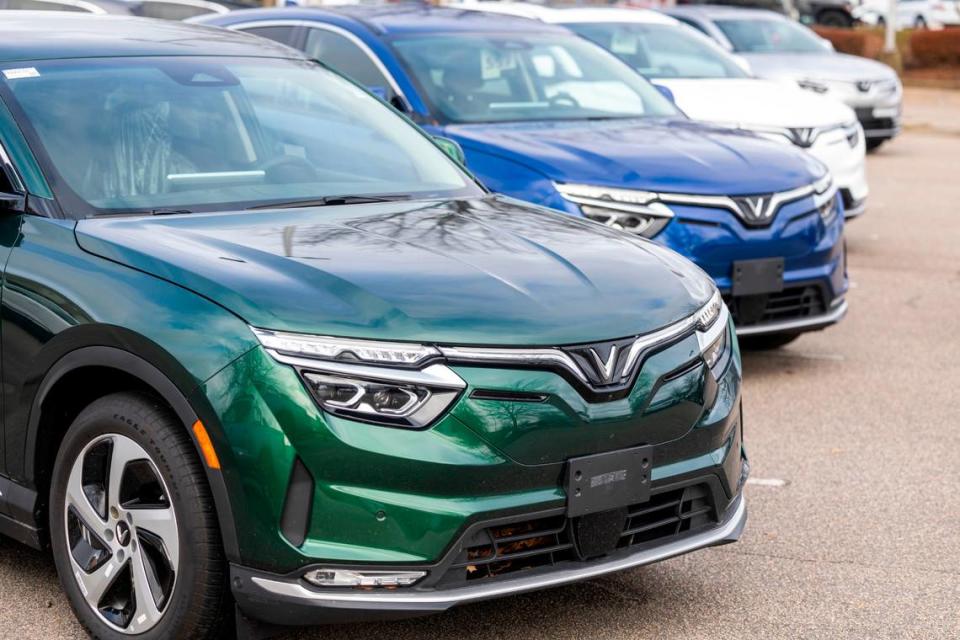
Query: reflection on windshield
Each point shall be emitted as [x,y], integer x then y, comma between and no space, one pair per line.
[769,36]
[499,78]
[159,134]
[661,50]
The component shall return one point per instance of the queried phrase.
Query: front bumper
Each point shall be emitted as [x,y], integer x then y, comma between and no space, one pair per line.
[798,325]
[879,122]
[288,600]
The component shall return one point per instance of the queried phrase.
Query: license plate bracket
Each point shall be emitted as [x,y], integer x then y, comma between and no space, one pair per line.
[606,481]
[752,277]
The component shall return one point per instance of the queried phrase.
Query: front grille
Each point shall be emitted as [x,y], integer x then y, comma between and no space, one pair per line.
[791,303]
[870,123]
[545,542]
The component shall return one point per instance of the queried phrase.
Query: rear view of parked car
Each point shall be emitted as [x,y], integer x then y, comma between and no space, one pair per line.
[780,49]
[265,342]
[547,117]
[710,85]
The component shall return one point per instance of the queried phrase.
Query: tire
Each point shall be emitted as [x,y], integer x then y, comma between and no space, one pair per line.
[834,18]
[128,467]
[768,342]
[874,144]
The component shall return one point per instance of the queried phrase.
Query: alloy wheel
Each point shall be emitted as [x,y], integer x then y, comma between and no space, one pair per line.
[122,535]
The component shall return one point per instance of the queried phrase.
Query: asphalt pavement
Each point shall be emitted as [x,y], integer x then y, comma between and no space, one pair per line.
[854,440]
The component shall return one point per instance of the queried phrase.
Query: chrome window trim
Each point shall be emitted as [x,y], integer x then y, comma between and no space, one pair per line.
[15,178]
[309,24]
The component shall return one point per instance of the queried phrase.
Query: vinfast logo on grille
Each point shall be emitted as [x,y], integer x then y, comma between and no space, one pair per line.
[604,363]
[755,210]
[804,137]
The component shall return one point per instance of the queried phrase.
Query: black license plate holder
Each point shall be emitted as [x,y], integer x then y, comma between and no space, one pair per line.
[606,481]
[752,277]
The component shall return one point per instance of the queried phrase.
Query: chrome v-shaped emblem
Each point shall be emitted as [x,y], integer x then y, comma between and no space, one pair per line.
[606,368]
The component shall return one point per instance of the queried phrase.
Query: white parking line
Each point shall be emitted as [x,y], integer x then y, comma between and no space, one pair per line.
[767,482]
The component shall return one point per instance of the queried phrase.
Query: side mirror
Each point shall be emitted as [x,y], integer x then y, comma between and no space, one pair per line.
[12,203]
[666,93]
[452,149]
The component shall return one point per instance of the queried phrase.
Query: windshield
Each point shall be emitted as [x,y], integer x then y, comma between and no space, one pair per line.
[204,134]
[661,50]
[513,77]
[770,36]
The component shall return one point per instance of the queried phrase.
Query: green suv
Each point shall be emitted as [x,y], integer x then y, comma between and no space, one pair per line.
[267,350]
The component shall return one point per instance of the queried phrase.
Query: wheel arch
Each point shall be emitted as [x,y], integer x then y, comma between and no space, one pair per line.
[120,370]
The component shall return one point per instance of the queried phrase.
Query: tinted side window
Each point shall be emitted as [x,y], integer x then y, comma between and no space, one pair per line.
[281,34]
[336,51]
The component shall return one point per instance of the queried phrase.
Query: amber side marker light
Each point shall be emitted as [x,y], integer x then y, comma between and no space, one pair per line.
[206,446]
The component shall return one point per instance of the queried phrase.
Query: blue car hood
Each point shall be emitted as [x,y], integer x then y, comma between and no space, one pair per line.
[676,156]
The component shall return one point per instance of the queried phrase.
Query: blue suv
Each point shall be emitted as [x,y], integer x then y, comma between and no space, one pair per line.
[547,117]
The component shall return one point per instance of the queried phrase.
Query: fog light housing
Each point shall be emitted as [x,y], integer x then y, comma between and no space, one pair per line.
[330,577]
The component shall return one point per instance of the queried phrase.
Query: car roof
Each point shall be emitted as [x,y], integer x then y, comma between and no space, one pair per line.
[717,12]
[48,35]
[558,15]
[397,18]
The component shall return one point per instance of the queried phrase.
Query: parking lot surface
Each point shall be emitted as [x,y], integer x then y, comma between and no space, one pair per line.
[854,439]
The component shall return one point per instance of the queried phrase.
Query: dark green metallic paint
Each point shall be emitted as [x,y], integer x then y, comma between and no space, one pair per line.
[428,485]
[458,272]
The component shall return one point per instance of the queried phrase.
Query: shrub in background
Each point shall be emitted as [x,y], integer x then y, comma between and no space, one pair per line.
[935,48]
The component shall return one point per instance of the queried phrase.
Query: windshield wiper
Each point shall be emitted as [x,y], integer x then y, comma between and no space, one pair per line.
[168,212]
[330,201]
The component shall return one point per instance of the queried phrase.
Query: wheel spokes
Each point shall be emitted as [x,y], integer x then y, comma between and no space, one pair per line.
[147,613]
[94,585]
[122,533]
[124,452]
[163,525]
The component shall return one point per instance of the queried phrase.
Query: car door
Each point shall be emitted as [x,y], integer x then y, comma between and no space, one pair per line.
[11,188]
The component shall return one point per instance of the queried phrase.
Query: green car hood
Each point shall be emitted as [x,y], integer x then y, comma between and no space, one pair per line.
[485,271]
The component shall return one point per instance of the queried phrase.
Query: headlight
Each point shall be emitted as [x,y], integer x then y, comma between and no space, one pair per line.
[344,349]
[401,404]
[714,351]
[813,85]
[712,329]
[347,377]
[630,210]
[825,197]
[852,131]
